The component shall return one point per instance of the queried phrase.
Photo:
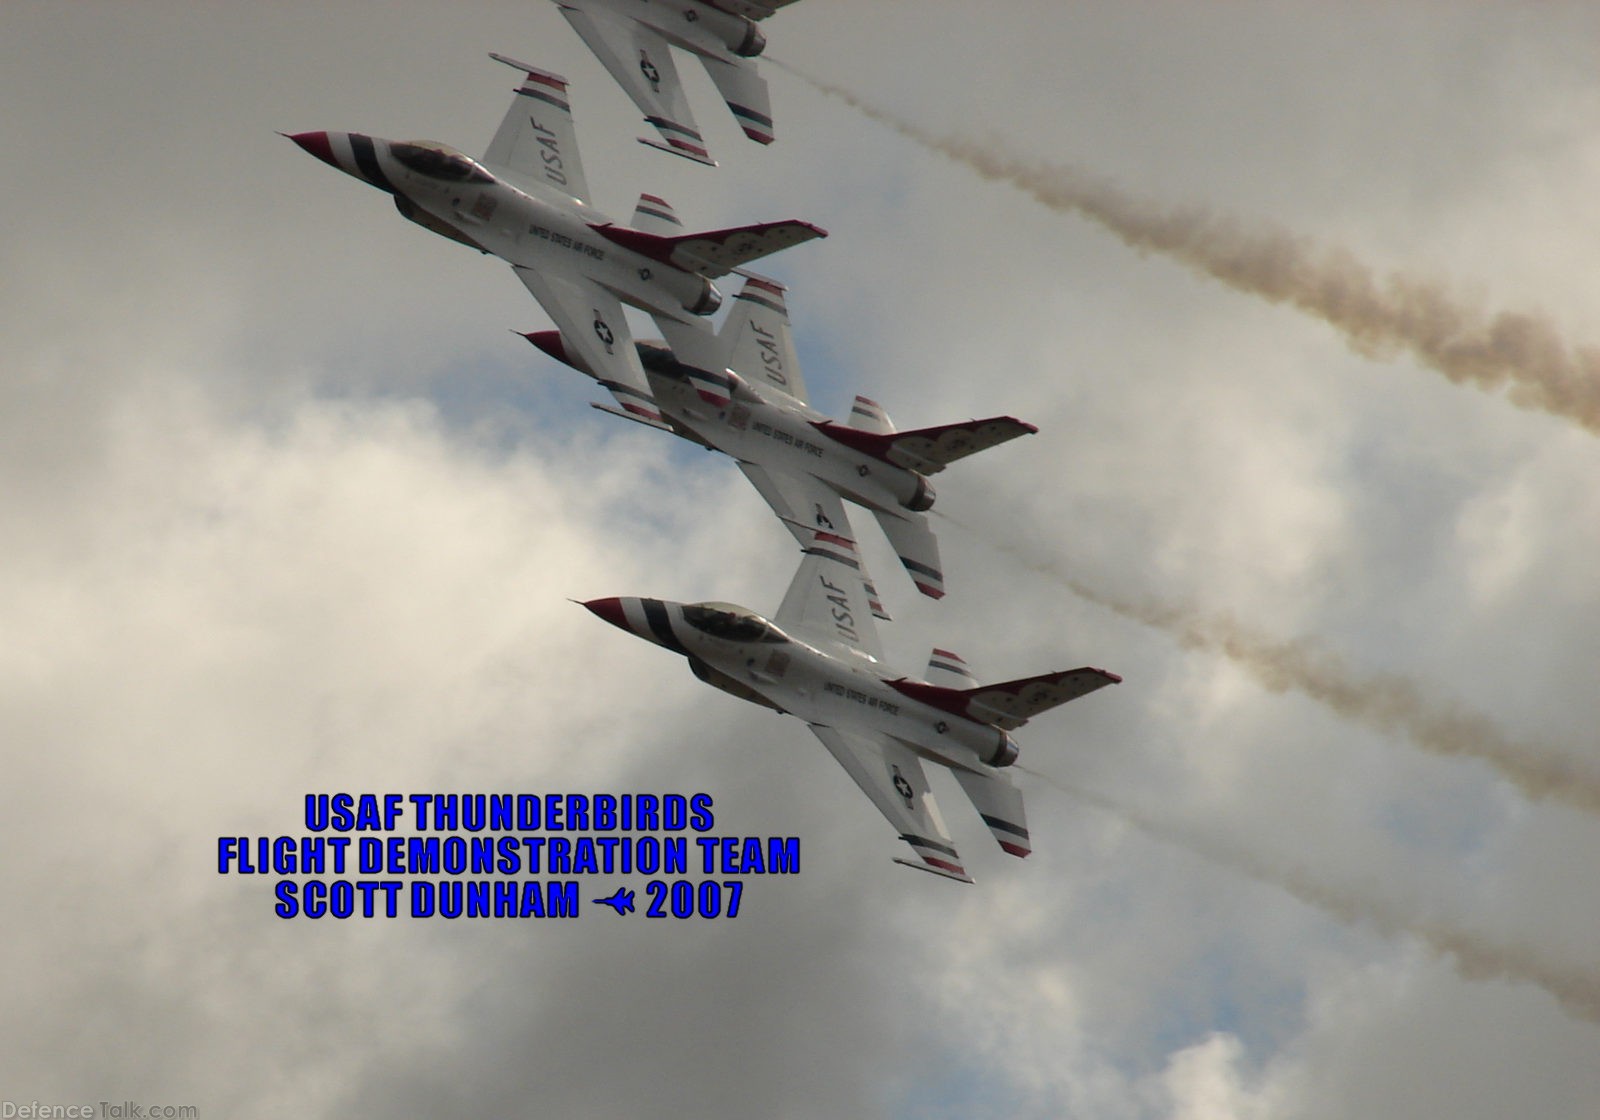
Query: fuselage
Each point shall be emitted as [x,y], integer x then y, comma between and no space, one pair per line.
[740,419]
[459,198]
[828,683]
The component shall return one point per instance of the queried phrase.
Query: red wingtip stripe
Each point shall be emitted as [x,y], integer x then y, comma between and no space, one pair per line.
[547,80]
[1015,849]
[944,865]
[833,538]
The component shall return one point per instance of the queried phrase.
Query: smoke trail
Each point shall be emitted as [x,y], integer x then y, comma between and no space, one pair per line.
[1378,318]
[1389,703]
[1474,957]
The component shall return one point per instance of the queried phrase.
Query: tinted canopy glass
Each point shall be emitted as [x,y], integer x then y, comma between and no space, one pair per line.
[439,162]
[731,623]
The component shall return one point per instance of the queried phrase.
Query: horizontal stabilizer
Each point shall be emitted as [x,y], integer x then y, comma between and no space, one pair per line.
[929,450]
[745,91]
[715,252]
[1010,704]
[999,803]
[917,548]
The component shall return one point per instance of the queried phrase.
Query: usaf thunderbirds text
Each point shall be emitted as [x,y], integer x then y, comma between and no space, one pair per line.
[481,874]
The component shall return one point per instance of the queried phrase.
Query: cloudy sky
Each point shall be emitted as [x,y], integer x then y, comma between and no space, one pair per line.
[285,508]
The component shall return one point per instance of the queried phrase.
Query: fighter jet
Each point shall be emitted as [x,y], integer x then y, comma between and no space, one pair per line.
[819,660]
[634,39]
[743,394]
[527,202]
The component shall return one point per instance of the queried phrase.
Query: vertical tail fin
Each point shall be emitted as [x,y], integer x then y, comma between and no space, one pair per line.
[759,341]
[948,668]
[655,214]
[868,415]
[543,155]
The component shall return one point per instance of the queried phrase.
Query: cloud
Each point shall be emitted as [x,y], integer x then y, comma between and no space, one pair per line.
[286,507]
[1473,955]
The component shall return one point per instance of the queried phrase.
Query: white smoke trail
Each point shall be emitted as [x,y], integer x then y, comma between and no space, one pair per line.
[1387,702]
[1378,317]
[1473,956]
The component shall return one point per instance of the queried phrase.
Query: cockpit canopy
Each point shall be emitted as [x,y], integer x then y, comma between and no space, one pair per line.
[731,623]
[437,161]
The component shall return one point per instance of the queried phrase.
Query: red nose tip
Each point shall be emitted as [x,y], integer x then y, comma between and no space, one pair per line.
[610,610]
[316,143]
[550,343]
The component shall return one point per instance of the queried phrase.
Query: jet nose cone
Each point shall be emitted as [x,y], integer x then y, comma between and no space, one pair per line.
[611,611]
[316,143]
[550,343]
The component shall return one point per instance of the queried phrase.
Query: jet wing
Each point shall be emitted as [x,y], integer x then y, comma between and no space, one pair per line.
[536,145]
[891,775]
[827,601]
[641,62]
[1010,704]
[929,450]
[716,252]
[806,505]
[591,321]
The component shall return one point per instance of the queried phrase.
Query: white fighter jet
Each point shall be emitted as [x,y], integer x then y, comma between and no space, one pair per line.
[819,659]
[742,393]
[527,202]
[634,39]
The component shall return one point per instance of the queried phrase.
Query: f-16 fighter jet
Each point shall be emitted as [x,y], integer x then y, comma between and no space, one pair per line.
[742,393]
[527,202]
[634,39]
[819,659]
